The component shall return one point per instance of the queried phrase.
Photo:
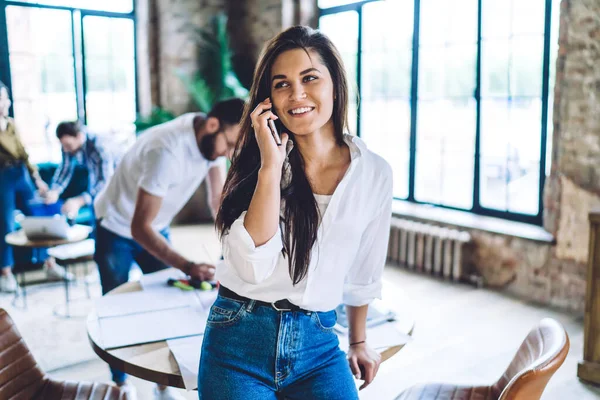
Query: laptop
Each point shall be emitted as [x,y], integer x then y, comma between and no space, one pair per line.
[44,228]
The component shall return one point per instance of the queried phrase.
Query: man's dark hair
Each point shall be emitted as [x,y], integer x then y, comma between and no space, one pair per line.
[68,128]
[228,112]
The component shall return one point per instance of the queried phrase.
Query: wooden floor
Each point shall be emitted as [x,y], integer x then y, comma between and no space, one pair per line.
[462,334]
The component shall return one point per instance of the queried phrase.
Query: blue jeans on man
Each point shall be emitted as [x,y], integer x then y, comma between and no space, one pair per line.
[115,256]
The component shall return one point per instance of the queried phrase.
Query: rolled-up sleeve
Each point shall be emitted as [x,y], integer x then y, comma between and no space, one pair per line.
[363,281]
[253,264]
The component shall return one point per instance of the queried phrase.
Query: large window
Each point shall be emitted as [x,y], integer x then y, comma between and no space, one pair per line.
[455,95]
[63,62]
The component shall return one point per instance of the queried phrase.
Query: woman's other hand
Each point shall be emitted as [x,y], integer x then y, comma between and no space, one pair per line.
[364,363]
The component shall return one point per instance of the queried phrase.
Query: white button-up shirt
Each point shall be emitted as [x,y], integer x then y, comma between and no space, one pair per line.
[348,257]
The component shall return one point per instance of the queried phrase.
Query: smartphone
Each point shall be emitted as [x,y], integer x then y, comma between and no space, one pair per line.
[274,131]
[273,128]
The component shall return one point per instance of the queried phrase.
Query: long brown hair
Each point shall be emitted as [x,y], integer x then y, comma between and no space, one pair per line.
[300,220]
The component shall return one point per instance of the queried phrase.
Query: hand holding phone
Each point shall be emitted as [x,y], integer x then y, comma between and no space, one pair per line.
[274,131]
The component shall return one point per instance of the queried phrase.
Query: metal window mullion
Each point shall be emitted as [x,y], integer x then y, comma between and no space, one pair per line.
[545,99]
[5,76]
[359,70]
[83,69]
[343,8]
[83,10]
[77,69]
[477,161]
[135,62]
[414,93]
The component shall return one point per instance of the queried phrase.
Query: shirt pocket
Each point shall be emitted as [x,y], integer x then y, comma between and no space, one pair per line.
[225,311]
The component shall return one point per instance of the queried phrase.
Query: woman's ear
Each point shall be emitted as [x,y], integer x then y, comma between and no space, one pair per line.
[212,125]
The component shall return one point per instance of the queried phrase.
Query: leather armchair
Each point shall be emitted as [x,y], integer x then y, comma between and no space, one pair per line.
[542,352]
[21,378]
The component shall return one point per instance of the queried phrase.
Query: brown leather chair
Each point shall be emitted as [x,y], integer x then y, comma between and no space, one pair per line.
[543,351]
[21,378]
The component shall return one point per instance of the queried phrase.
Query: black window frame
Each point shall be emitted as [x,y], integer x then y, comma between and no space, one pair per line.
[477,208]
[78,49]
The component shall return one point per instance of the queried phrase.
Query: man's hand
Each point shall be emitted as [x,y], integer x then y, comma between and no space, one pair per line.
[203,272]
[50,196]
[72,206]
[42,187]
[364,363]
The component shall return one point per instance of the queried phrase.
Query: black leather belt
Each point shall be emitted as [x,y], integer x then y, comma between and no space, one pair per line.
[279,305]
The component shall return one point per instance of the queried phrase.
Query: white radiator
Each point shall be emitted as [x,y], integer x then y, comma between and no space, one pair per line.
[427,248]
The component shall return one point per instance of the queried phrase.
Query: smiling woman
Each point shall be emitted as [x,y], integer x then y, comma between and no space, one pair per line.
[304,227]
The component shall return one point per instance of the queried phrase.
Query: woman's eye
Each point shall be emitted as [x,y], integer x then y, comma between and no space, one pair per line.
[280,85]
[309,78]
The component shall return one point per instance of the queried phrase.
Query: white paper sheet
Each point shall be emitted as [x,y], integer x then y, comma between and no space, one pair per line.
[152,326]
[186,352]
[164,298]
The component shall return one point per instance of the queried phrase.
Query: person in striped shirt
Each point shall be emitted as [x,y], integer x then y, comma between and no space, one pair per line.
[80,148]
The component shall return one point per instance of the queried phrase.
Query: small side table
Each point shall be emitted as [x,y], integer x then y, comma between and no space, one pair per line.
[18,238]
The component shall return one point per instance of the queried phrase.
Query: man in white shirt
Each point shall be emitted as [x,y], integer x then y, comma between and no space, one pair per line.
[153,181]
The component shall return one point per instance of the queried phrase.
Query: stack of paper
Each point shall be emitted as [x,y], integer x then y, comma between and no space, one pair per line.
[159,312]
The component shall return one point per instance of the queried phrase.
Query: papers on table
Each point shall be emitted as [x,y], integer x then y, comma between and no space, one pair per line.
[154,326]
[186,352]
[159,312]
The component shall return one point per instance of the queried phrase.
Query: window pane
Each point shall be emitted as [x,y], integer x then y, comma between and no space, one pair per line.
[510,150]
[342,29]
[446,117]
[512,61]
[448,22]
[445,150]
[386,84]
[124,6]
[42,74]
[109,74]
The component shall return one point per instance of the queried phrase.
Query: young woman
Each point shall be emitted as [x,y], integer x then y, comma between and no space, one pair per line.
[17,176]
[304,227]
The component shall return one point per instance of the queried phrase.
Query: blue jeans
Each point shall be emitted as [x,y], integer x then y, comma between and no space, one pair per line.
[253,352]
[16,190]
[115,256]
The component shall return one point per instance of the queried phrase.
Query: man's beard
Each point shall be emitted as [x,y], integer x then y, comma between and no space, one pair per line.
[207,146]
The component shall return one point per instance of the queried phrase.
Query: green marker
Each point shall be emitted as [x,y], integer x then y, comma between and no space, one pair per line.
[182,285]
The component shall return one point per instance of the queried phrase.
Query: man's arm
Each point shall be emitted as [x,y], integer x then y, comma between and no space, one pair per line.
[146,210]
[103,166]
[216,180]
[63,174]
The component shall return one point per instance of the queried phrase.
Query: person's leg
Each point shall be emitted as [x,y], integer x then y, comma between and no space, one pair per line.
[320,369]
[7,211]
[25,192]
[238,353]
[114,257]
[331,380]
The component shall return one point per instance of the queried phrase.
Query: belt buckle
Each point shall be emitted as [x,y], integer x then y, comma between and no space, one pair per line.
[279,309]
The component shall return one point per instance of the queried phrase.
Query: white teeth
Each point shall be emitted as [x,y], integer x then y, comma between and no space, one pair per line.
[301,110]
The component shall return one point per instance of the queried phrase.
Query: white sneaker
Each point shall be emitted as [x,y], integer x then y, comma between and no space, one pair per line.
[130,391]
[8,283]
[55,272]
[168,393]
